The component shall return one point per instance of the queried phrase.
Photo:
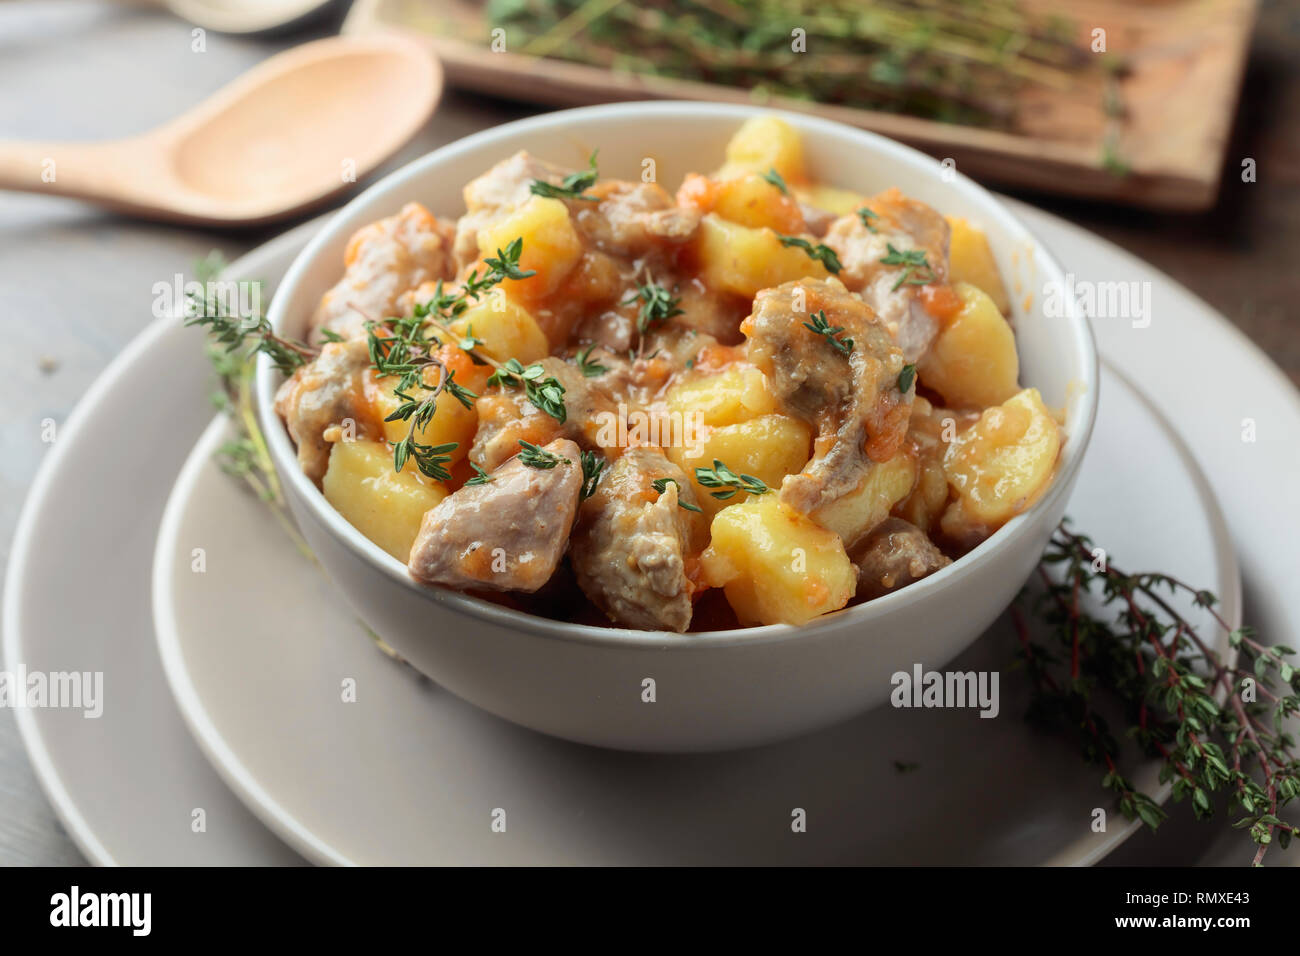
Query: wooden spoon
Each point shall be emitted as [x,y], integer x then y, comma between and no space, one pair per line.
[294,130]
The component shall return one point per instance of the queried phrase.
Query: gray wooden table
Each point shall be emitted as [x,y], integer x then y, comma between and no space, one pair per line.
[75,283]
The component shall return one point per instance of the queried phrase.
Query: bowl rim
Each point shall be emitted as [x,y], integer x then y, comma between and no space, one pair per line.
[1081,402]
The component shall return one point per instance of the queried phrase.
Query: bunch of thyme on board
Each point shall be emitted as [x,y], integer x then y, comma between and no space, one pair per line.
[1215,722]
[951,60]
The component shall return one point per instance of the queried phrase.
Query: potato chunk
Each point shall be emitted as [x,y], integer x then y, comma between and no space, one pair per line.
[763,143]
[551,248]
[929,495]
[973,363]
[776,565]
[749,200]
[768,447]
[734,395]
[506,329]
[735,258]
[970,259]
[841,202]
[386,506]
[854,515]
[999,465]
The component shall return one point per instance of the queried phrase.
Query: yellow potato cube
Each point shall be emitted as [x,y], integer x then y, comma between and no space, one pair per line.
[506,329]
[929,495]
[763,143]
[973,363]
[1000,465]
[729,397]
[386,506]
[738,259]
[776,565]
[551,247]
[854,516]
[970,259]
[768,447]
[839,201]
[753,201]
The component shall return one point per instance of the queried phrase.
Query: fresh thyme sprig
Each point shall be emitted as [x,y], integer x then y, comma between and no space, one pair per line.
[593,468]
[430,459]
[916,269]
[658,305]
[406,352]
[821,326]
[906,377]
[245,456]
[236,331]
[405,348]
[1153,661]
[536,457]
[572,186]
[588,366]
[773,177]
[720,476]
[818,252]
[661,485]
[546,394]
[481,477]
[866,216]
[445,306]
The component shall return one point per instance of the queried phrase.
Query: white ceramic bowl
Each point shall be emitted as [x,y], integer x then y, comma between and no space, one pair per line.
[723,689]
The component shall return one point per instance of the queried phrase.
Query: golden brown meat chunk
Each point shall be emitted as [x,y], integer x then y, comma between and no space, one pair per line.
[384,260]
[914,231]
[633,543]
[327,392]
[893,556]
[507,534]
[848,393]
[631,219]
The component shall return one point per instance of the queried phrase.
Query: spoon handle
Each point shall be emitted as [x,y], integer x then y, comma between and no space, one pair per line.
[97,171]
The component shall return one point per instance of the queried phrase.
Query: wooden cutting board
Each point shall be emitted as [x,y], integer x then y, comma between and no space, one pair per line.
[1185,62]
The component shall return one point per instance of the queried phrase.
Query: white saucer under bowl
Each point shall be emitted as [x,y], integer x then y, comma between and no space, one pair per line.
[352,758]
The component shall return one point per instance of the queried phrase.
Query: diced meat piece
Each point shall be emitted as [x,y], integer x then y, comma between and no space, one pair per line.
[893,556]
[495,195]
[633,544]
[711,312]
[505,535]
[325,394]
[638,379]
[611,371]
[384,260]
[506,416]
[819,220]
[614,330]
[909,226]
[852,400]
[632,219]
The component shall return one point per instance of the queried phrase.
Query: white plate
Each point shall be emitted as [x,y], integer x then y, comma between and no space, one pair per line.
[77,598]
[115,784]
